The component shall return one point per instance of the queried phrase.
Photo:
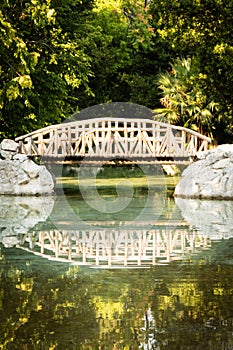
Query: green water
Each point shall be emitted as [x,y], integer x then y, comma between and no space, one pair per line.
[141,271]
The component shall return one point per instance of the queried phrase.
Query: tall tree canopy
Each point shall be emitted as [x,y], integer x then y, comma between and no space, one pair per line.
[120,43]
[41,63]
[60,56]
[202,29]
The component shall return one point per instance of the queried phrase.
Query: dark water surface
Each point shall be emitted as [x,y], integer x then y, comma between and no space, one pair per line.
[144,272]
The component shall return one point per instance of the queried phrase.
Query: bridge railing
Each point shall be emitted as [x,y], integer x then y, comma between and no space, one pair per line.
[109,137]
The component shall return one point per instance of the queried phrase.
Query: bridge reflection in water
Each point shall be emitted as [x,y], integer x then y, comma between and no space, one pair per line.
[116,247]
[139,244]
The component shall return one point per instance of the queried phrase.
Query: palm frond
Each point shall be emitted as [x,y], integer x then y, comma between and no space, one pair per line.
[167,115]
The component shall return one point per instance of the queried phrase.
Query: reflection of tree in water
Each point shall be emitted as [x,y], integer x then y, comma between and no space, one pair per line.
[51,306]
[194,313]
[46,311]
[184,313]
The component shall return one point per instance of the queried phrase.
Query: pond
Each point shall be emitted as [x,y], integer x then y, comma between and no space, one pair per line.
[113,261]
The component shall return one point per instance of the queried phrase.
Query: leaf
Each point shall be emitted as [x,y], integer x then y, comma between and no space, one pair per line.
[12,92]
[24,81]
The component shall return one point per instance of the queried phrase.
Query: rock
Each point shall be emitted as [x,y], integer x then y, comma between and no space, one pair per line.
[20,157]
[8,149]
[9,145]
[227,147]
[210,177]
[19,175]
[7,154]
[30,169]
[221,164]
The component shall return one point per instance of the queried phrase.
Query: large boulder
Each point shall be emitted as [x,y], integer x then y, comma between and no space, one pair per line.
[8,148]
[20,175]
[210,177]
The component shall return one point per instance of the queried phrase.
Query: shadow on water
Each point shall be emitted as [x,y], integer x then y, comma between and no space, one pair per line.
[50,298]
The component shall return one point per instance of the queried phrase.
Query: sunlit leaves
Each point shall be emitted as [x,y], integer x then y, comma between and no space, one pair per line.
[201,29]
[24,81]
[112,5]
[40,12]
[80,53]
[42,64]
[184,99]
[12,92]
[140,30]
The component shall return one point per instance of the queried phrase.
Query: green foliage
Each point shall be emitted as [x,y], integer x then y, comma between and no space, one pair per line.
[61,56]
[202,29]
[120,43]
[184,99]
[42,66]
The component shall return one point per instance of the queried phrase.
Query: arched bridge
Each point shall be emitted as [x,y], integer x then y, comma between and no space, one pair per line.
[131,139]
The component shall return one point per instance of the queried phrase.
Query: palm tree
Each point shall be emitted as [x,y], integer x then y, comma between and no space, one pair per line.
[183,99]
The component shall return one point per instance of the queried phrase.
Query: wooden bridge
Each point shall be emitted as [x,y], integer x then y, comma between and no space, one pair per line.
[113,138]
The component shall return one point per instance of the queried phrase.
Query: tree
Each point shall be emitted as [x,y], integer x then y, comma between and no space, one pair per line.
[184,99]
[119,43]
[58,57]
[41,64]
[201,29]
